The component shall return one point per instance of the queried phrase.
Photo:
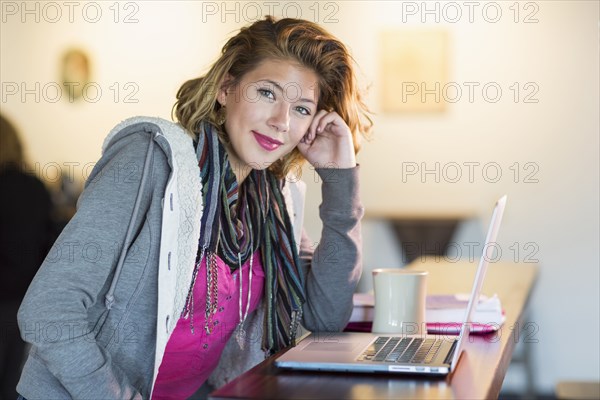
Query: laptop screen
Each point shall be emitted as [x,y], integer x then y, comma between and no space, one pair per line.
[490,239]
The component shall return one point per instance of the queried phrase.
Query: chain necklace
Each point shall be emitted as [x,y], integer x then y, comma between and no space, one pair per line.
[212,293]
[240,333]
[188,310]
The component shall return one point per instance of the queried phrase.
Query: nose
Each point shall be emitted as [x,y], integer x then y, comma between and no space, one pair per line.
[280,117]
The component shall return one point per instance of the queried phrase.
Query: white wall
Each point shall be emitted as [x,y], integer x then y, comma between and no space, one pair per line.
[555,220]
[166,46]
[558,215]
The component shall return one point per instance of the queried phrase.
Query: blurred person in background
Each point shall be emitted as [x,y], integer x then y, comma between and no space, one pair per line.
[26,234]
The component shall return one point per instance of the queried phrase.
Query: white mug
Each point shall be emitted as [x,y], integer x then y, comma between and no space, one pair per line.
[399,301]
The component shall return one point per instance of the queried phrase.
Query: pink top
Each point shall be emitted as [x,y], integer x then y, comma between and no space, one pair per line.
[189,358]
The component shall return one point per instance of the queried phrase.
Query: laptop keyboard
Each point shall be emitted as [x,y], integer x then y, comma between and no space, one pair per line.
[401,350]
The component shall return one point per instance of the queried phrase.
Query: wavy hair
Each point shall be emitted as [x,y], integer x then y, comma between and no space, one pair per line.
[285,39]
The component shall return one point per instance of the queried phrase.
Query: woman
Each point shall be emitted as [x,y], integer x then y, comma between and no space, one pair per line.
[214,249]
[26,234]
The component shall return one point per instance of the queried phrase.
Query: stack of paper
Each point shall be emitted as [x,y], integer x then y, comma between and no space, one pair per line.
[443,314]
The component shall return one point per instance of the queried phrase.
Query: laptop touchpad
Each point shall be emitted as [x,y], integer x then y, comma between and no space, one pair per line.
[330,346]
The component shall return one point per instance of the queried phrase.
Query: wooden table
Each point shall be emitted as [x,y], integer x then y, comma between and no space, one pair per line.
[480,371]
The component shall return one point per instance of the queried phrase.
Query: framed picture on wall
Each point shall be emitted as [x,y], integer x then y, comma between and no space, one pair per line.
[75,73]
[414,70]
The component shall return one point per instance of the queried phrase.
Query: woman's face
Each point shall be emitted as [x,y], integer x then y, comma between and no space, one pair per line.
[268,113]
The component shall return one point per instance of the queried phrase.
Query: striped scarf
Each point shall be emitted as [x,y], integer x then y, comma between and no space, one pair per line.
[233,219]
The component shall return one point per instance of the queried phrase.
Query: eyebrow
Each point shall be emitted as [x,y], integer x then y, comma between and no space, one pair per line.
[278,86]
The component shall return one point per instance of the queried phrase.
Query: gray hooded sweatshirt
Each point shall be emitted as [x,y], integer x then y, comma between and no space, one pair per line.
[88,346]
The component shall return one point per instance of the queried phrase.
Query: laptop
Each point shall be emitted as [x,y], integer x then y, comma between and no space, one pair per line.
[392,353]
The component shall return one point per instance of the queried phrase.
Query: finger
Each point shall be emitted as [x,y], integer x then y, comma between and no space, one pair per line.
[331,118]
[303,148]
[315,122]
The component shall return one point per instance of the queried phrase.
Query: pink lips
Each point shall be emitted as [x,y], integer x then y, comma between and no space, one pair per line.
[266,142]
